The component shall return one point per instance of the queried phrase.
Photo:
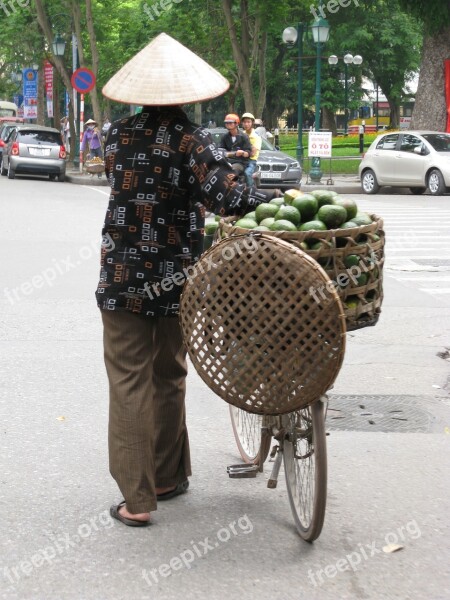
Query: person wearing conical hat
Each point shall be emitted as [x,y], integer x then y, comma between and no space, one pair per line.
[164,171]
[92,140]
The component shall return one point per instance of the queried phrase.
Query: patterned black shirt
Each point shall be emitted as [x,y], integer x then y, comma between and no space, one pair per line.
[163,171]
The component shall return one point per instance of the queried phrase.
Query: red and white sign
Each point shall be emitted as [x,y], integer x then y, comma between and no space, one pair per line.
[320,144]
[48,78]
[405,122]
[48,81]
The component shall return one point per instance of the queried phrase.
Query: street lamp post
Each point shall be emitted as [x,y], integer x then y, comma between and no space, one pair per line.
[378,109]
[320,31]
[290,36]
[348,60]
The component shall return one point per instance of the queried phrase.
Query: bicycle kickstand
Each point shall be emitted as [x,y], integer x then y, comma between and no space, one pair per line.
[273,480]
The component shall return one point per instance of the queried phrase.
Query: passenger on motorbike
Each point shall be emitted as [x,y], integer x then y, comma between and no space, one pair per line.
[248,123]
[236,144]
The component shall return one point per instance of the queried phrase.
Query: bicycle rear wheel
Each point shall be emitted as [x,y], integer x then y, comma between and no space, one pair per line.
[248,434]
[305,467]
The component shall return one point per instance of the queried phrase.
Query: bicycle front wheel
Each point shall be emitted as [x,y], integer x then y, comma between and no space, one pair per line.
[248,434]
[305,467]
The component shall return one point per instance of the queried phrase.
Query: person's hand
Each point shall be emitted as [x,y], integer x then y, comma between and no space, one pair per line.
[278,193]
[240,152]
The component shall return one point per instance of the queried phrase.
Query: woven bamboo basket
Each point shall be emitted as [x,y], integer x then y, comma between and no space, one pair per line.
[360,286]
[97,167]
[253,331]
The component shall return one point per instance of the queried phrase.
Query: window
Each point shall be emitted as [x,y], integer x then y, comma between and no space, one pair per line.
[409,142]
[40,137]
[439,141]
[388,142]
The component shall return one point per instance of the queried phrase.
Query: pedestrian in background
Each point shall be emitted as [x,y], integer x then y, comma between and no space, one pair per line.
[92,141]
[164,171]
[260,129]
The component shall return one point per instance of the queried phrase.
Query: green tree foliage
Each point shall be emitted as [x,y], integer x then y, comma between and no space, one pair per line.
[387,38]
[434,14]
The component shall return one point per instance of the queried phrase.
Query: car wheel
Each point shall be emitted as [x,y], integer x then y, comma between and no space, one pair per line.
[61,177]
[417,190]
[3,171]
[11,172]
[436,183]
[369,182]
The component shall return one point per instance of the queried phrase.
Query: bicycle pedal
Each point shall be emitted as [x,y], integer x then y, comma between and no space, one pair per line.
[242,471]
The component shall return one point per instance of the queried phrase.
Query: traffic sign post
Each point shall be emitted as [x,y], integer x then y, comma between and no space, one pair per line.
[320,146]
[83,80]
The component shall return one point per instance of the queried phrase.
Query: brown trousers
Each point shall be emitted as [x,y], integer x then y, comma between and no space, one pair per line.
[145,361]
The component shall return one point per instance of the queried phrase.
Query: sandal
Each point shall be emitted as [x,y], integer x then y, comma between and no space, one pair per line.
[114,512]
[181,488]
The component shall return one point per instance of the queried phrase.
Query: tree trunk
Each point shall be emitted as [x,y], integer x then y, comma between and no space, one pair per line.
[430,110]
[328,120]
[58,63]
[239,56]
[394,115]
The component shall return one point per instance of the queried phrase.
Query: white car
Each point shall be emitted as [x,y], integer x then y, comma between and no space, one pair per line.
[414,159]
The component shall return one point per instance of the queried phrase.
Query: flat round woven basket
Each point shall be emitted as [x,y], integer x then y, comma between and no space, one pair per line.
[254,329]
[97,167]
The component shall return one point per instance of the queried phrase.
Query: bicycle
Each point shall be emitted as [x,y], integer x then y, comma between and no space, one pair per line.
[301,443]
[261,342]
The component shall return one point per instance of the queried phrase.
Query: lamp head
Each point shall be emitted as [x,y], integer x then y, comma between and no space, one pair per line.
[348,58]
[320,31]
[58,45]
[289,36]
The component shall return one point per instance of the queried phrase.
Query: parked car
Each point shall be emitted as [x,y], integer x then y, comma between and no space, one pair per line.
[414,159]
[275,168]
[33,149]
[5,129]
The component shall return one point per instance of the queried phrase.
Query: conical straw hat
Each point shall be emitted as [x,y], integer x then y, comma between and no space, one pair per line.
[165,73]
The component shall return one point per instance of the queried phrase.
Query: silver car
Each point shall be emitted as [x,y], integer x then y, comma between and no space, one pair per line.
[275,169]
[35,150]
[414,159]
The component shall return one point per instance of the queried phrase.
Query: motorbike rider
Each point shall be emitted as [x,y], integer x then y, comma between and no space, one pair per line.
[237,145]
[248,123]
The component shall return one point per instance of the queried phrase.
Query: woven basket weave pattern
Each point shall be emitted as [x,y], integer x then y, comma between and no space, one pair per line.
[95,167]
[253,331]
[334,247]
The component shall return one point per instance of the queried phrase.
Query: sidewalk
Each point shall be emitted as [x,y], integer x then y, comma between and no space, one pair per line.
[342,184]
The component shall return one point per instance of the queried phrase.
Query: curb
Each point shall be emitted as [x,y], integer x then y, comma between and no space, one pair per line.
[340,187]
[86,179]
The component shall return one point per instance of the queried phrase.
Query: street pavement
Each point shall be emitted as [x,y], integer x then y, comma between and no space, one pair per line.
[388,479]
